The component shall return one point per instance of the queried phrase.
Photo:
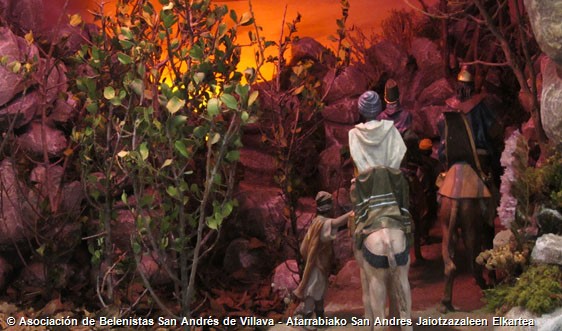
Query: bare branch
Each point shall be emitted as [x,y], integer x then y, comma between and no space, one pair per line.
[486,63]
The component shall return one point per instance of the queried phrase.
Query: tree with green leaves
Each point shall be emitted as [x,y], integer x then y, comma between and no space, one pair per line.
[163,106]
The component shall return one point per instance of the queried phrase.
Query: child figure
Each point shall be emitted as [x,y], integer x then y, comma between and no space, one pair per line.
[317,252]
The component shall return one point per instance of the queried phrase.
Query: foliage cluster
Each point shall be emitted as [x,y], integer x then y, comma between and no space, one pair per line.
[294,101]
[525,189]
[163,106]
[538,289]
[402,26]
[505,257]
[550,175]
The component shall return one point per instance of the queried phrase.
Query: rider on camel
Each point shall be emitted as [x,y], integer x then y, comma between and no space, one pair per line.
[486,130]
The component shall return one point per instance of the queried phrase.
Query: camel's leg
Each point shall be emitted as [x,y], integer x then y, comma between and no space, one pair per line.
[364,284]
[448,217]
[366,295]
[474,234]
[417,208]
[417,241]
[377,293]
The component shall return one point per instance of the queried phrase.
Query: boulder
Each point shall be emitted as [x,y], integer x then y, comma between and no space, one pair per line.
[20,111]
[245,261]
[343,248]
[388,58]
[261,208]
[548,249]
[514,313]
[306,211]
[150,266]
[348,277]
[549,221]
[13,48]
[545,322]
[259,167]
[342,199]
[551,322]
[5,271]
[35,276]
[32,141]
[63,111]
[551,100]
[351,82]
[342,111]
[286,278]
[45,183]
[545,18]
[13,216]
[252,137]
[435,94]
[332,170]
[309,48]
[336,134]
[25,15]
[72,196]
[420,81]
[426,53]
[56,82]
[68,196]
[425,120]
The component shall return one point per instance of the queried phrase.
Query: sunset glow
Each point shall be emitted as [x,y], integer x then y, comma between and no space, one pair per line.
[318,18]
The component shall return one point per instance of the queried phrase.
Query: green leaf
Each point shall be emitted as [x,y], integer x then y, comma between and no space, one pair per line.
[246,19]
[242,91]
[178,120]
[172,191]
[124,58]
[126,32]
[124,197]
[222,30]
[179,145]
[233,16]
[92,108]
[196,52]
[137,86]
[200,132]
[175,104]
[213,106]
[166,163]
[198,77]
[143,150]
[109,93]
[253,97]
[41,250]
[229,100]
[215,138]
[233,156]
[227,209]
[126,45]
[245,116]
[136,248]
[168,18]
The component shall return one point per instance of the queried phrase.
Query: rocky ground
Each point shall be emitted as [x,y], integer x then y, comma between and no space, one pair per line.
[426,280]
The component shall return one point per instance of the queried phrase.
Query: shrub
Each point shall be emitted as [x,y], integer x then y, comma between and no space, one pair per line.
[538,289]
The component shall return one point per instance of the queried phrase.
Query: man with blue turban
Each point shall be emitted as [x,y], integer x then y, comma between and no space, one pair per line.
[375,143]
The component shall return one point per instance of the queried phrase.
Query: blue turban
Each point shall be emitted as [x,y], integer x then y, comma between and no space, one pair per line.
[369,104]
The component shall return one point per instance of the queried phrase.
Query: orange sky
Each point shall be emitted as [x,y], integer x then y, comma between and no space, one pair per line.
[318,16]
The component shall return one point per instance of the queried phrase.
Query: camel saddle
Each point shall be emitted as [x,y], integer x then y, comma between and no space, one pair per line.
[464,179]
[381,200]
